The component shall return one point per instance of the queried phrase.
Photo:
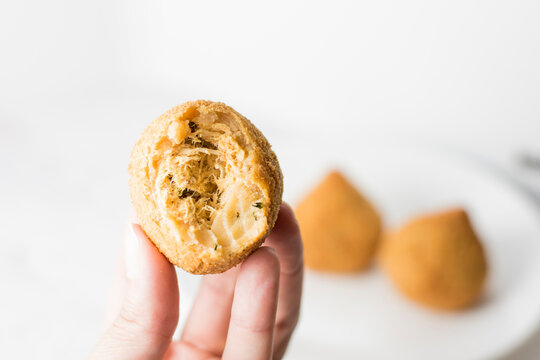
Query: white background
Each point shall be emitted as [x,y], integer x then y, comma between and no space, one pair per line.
[80,80]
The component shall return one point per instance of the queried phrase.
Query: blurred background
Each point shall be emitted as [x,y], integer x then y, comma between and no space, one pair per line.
[80,80]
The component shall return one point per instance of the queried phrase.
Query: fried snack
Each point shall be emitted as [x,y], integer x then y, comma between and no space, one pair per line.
[339,226]
[437,260]
[205,185]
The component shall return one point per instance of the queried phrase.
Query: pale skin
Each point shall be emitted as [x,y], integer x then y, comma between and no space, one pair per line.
[248,312]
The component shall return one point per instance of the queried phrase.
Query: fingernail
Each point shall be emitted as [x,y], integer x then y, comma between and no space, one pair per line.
[132,248]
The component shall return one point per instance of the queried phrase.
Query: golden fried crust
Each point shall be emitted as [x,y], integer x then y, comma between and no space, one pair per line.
[339,226]
[170,213]
[437,260]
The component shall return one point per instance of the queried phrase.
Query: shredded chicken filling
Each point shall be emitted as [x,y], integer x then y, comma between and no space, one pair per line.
[199,171]
[201,189]
[193,186]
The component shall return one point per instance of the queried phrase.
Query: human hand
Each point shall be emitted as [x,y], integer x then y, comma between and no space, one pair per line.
[248,312]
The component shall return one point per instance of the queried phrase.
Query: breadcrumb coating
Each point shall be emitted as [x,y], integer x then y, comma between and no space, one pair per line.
[437,260]
[340,227]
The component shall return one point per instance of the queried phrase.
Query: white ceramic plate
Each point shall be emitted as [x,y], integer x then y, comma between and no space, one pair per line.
[362,316]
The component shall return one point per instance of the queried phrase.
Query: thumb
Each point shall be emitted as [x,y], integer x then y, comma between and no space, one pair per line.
[148,316]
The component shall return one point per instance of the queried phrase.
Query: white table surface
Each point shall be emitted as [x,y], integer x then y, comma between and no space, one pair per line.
[78,83]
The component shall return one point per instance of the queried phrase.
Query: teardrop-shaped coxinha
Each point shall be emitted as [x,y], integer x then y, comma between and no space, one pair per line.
[205,185]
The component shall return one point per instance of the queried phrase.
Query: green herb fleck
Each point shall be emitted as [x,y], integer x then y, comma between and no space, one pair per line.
[237,214]
[184,193]
[192,126]
[258,205]
[215,247]
[199,142]
[206,144]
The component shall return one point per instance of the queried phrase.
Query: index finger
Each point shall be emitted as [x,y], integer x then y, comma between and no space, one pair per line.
[286,240]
